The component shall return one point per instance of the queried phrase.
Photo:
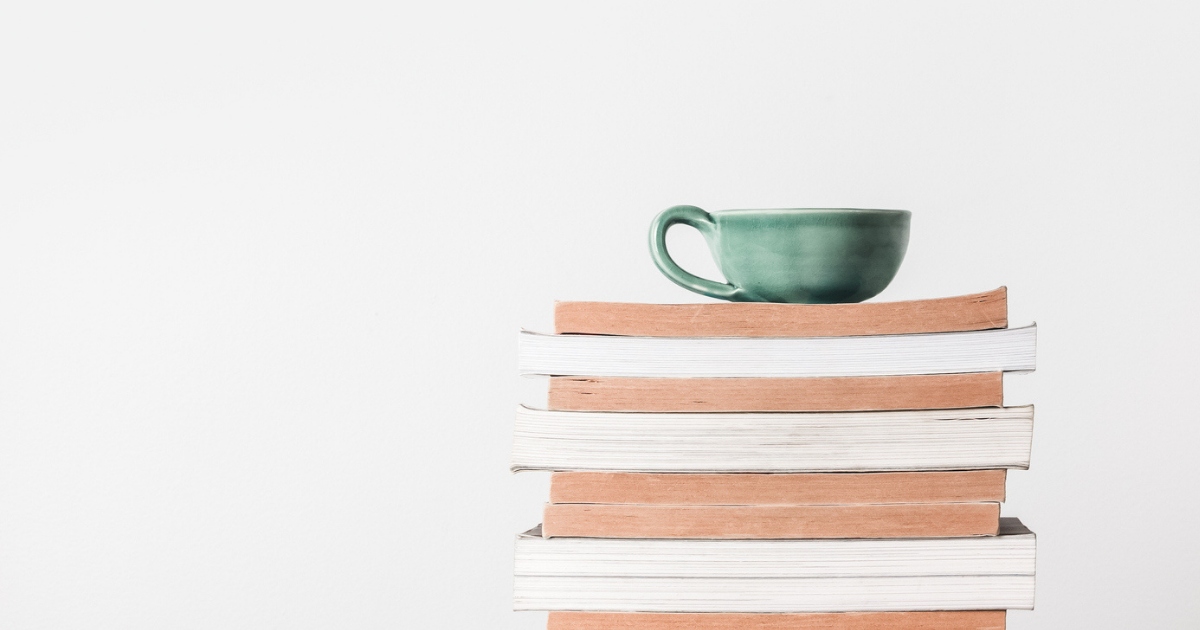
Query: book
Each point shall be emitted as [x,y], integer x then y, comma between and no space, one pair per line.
[825,594]
[937,439]
[892,520]
[778,489]
[853,393]
[980,311]
[1011,552]
[998,350]
[926,620]
[776,576]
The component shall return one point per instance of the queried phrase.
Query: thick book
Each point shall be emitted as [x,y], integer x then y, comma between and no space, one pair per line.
[892,520]
[998,350]
[952,486]
[776,576]
[980,311]
[936,439]
[927,620]
[854,393]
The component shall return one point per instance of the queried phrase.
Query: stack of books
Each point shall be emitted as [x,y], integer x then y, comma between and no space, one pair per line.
[776,467]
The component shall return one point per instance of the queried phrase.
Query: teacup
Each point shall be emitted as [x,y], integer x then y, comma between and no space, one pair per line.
[795,255]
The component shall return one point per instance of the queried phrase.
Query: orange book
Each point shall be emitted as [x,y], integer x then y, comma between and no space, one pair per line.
[852,393]
[980,311]
[902,520]
[955,486]
[930,620]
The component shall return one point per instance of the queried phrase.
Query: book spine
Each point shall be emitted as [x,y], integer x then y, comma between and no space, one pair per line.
[778,489]
[981,311]
[913,520]
[857,393]
[927,620]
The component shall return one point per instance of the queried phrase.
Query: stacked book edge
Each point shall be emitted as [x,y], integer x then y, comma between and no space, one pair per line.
[770,466]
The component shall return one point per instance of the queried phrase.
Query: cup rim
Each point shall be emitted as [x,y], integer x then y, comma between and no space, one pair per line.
[813,211]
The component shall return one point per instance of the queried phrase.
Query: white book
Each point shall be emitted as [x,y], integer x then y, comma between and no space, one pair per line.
[997,350]
[1009,553]
[938,439]
[776,576]
[776,595]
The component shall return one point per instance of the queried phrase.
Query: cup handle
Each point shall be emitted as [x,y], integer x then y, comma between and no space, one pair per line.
[702,221]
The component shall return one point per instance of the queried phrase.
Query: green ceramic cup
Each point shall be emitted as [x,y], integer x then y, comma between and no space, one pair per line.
[795,255]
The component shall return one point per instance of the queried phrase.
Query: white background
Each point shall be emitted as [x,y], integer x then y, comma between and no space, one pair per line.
[262,268]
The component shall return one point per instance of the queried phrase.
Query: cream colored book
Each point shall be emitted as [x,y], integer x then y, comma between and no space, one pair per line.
[933,439]
[776,576]
[997,350]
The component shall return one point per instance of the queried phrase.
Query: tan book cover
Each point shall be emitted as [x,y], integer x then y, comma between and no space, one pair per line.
[931,620]
[727,319]
[778,489]
[905,520]
[854,393]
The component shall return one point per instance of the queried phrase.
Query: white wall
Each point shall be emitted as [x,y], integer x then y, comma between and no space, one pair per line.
[262,267]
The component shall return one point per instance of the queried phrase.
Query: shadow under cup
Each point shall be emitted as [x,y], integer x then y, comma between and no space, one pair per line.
[793,255]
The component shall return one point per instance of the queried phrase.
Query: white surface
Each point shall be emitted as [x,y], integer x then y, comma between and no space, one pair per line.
[234,236]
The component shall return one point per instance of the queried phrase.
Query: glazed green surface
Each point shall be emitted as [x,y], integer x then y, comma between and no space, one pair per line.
[796,255]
